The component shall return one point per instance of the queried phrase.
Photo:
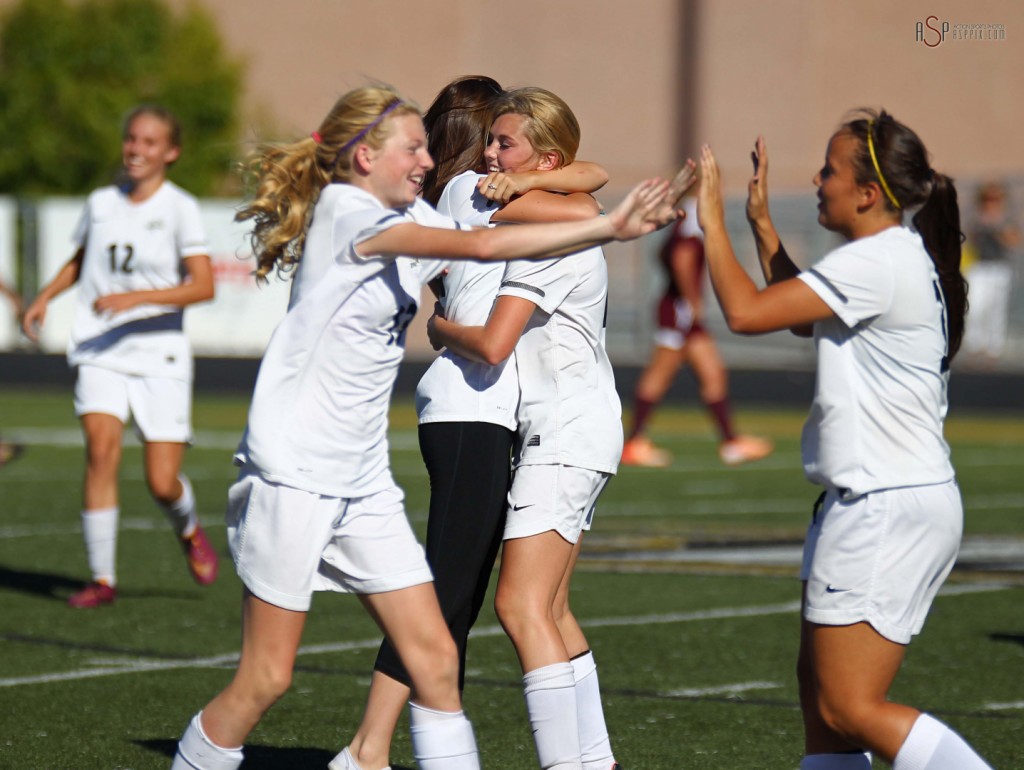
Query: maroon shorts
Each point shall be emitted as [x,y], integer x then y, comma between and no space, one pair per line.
[676,323]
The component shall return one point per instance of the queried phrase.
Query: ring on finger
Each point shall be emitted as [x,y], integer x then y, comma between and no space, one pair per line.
[492,187]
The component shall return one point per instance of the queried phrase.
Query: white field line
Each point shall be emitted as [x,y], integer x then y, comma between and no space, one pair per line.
[725,689]
[1013,705]
[204,439]
[225,471]
[131,666]
[406,440]
[134,666]
[682,507]
[155,524]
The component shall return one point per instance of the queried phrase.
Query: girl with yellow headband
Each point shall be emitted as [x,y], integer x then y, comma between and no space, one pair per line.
[886,311]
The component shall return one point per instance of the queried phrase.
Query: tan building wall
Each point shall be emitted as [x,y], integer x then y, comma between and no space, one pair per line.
[652,78]
[789,69]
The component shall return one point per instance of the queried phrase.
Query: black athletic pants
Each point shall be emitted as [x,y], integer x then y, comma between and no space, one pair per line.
[469,468]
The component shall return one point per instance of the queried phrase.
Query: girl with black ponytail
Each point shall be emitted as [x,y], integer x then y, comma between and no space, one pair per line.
[886,311]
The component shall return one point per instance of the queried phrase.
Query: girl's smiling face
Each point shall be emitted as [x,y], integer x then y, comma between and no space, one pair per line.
[399,165]
[508,148]
[146,148]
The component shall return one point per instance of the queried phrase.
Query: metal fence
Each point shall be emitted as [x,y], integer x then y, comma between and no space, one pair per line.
[34,242]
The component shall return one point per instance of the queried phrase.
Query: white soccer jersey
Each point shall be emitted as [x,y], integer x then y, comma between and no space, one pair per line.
[456,389]
[318,419]
[569,412]
[876,421]
[135,247]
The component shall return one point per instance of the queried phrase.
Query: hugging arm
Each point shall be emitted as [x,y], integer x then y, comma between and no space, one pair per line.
[578,177]
[491,343]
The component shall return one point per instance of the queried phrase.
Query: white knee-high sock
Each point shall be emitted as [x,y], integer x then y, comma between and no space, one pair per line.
[197,752]
[182,512]
[442,740]
[931,745]
[595,747]
[853,760]
[99,528]
[551,706]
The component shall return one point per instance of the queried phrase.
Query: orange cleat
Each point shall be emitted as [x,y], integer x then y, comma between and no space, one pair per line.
[744,449]
[640,451]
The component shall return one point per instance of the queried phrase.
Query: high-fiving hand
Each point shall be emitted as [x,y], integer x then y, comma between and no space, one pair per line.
[757,188]
[710,208]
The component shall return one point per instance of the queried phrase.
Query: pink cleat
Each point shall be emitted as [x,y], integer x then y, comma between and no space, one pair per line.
[202,559]
[95,594]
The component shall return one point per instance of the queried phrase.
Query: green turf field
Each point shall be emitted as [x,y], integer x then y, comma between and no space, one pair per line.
[695,634]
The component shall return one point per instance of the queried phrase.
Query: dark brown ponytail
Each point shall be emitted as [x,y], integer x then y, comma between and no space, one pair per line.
[938,222]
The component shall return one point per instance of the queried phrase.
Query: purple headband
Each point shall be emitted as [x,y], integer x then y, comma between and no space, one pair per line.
[348,145]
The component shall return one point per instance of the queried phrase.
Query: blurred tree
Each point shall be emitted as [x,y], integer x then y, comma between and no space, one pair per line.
[70,71]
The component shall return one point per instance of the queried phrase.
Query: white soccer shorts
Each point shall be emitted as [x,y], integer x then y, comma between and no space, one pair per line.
[881,558]
[553,497]
[160,407]
[288,543]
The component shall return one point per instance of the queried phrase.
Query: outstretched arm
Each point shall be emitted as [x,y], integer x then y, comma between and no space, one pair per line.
[491,343]
[67,277]
[640,213]
[783,305]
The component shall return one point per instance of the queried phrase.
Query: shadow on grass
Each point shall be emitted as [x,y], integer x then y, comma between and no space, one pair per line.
[39,583]
[60,587]
[1012,638]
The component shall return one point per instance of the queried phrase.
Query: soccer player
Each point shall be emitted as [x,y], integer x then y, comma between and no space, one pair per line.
[315,506]
[886,311]
[552,314]
[9,450]
[681,338]
[466,408]
[141,258]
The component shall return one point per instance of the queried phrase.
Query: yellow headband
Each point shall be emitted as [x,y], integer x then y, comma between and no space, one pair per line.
[878,169]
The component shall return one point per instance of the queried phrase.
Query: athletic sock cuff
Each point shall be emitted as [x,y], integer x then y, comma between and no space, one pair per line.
[440,735]
[553,677]
[196,750]
[187,501]
[920,744]
[583,666]
[423,715]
